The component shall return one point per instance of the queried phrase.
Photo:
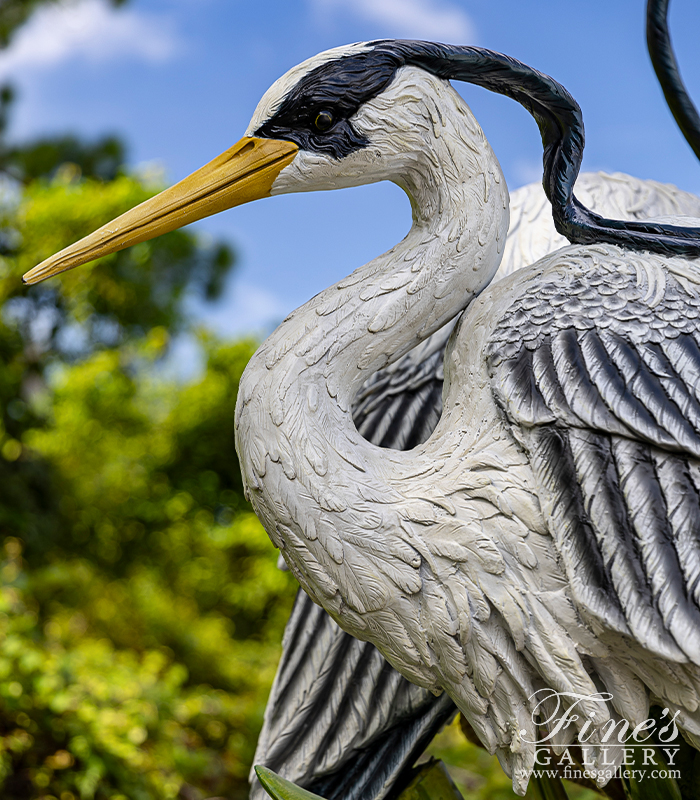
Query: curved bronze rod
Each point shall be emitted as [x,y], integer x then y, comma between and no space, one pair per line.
[665,66]
[559,119]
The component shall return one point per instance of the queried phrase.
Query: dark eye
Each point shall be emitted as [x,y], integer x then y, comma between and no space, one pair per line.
[323,121]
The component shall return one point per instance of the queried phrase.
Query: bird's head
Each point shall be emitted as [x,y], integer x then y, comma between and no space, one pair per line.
[349,116]
[358,114]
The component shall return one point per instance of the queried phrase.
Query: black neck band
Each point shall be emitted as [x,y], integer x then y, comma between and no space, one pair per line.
[561,126]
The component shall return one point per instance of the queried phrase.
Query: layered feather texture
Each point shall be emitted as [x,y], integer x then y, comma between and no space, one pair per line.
[442,556]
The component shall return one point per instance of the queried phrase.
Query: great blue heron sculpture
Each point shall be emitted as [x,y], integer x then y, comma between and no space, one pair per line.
[340,720]
[545,535]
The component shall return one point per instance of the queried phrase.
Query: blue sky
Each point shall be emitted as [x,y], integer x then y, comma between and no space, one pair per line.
[179,79]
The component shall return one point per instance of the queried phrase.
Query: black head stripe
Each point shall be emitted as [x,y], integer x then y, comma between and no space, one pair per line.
[343,85]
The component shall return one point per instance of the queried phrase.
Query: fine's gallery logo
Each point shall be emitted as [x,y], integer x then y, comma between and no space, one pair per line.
[581,737]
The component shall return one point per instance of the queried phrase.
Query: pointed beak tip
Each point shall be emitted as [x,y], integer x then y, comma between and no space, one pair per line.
[243,173]
[35,275]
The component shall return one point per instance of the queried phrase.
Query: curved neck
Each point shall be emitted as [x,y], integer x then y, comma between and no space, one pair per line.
[382,310]
[301,456]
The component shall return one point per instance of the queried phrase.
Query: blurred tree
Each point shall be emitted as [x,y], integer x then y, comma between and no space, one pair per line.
[133,577]
[101,159]
[153,586]
[44,157]
[117,301]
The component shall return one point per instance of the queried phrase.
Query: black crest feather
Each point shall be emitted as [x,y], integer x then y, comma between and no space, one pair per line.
[343,85]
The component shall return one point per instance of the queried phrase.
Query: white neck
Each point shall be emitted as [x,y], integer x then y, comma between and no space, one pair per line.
[301,456]
[373,535]
[425,139]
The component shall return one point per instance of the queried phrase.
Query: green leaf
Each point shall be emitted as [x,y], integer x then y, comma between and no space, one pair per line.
[281,789]
[431,781]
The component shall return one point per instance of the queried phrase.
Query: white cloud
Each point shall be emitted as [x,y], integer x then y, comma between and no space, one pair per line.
[91,30]
[419,19]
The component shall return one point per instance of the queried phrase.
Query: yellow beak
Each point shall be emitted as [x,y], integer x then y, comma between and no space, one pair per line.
[243,173]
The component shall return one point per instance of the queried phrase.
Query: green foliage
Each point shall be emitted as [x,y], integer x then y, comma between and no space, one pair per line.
[128,720]
[431,781]
[136,583]
[479,776]
[82,716]
[141,608]
[280,788]
[150,536]
[126,298]
[45,157]
[121,295]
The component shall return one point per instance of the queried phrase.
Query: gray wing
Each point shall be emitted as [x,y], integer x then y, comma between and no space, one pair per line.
[400,406]
[597,368]
[320,730]
[340,720]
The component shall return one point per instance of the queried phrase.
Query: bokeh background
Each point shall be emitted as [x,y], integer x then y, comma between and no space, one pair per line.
[178,80]
[140,607]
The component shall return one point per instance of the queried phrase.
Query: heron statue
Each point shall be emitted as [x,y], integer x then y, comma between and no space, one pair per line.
[340,720]
[546,534]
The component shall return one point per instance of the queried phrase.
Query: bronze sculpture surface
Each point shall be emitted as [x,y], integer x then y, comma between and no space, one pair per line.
[505,553]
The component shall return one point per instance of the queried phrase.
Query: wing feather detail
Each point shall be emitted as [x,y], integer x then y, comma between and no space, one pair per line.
[682,501]
[599,376]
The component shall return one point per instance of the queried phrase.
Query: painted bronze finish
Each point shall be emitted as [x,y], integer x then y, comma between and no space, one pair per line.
[242,173]
[544,535]
[666,68]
